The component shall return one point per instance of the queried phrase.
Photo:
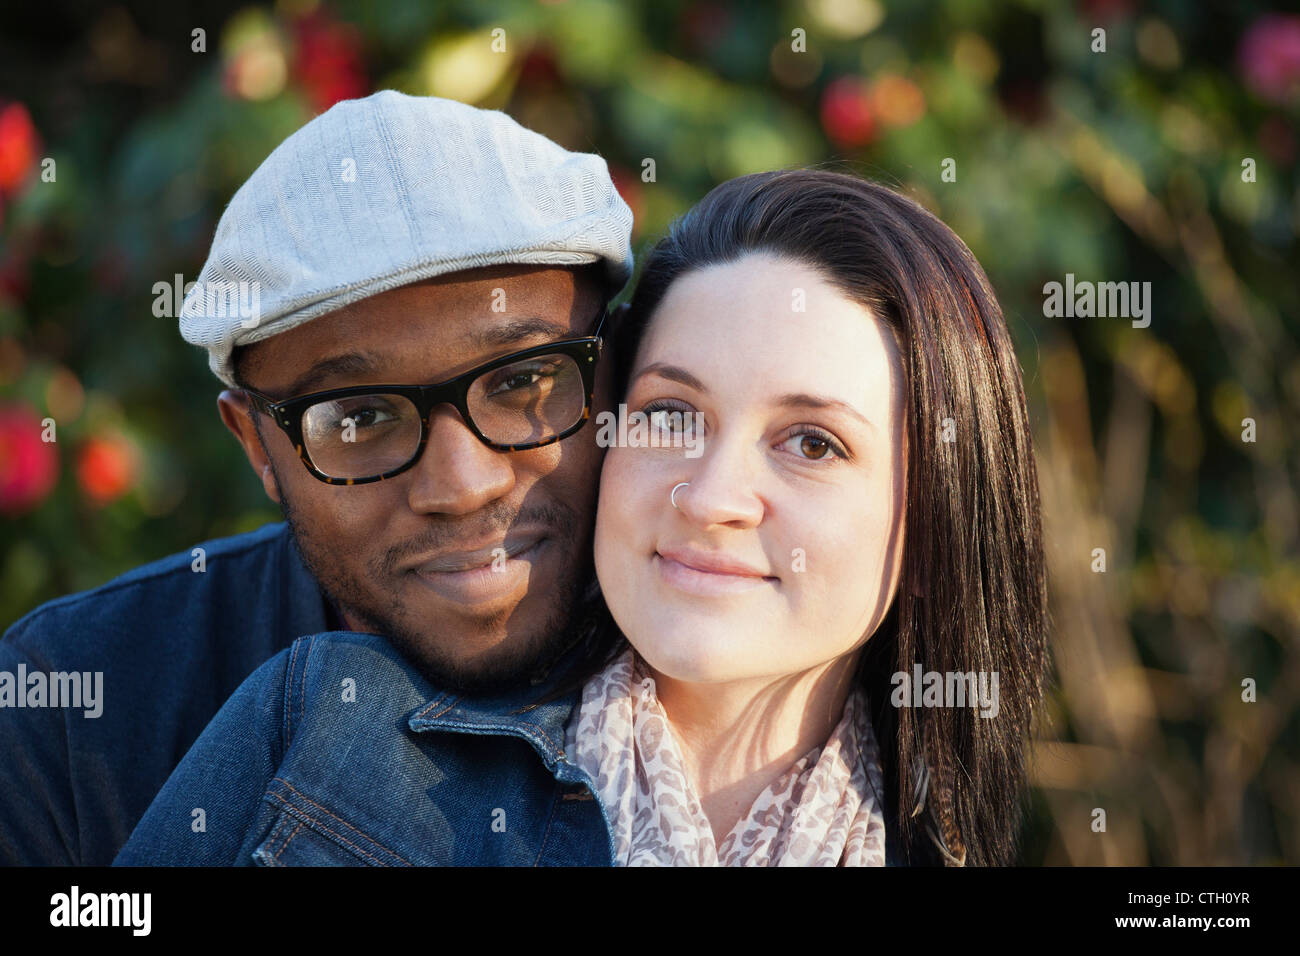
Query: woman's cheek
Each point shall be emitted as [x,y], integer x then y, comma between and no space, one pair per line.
[842,564]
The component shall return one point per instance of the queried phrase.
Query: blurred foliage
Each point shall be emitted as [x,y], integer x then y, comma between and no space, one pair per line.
[1123,165]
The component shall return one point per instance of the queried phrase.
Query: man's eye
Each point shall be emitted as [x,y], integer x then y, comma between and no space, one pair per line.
[517,378]
[366,417]
[362,415]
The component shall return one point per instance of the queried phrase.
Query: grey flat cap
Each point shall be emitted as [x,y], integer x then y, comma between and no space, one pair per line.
[383,191]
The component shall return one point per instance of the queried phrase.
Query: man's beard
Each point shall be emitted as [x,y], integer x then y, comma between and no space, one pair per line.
[521,659]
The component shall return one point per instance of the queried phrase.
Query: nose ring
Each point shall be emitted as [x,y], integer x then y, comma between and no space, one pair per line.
[673,497]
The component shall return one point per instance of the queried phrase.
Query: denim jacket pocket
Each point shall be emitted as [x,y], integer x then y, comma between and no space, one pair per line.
[305,833]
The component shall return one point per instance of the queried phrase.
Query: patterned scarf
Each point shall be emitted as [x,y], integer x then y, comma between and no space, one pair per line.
[823,811]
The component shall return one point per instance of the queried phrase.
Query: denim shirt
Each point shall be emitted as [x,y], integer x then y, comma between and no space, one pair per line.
[172,643]
[337,752]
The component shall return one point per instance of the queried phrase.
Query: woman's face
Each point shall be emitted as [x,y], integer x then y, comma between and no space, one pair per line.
[784,549]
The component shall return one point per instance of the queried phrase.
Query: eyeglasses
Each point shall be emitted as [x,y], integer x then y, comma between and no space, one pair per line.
[365,433]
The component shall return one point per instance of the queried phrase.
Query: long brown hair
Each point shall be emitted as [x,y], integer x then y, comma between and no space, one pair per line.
[973,593]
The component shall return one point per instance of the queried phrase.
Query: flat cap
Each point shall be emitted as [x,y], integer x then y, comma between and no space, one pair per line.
[379,192]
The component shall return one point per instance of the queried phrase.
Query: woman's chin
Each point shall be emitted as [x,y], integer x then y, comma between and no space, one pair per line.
[695,659]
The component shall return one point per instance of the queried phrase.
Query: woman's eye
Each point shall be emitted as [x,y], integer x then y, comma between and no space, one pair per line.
[674,418]
[814,445]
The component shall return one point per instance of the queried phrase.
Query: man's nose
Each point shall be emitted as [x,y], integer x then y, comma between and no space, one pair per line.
[457,473]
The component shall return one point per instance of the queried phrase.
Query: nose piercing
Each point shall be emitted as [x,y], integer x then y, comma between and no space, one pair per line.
[673,497]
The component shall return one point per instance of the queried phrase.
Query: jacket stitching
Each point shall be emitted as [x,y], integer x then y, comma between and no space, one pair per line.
[288,821]
[288,840]
[434,703]
[522,731]
[274,834]
[338,836]
[541,733]
[302,712]
[355,830]
[288,701]
[275,830]
[550,820]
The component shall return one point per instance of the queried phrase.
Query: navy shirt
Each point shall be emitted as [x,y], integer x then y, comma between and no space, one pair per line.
[172,643]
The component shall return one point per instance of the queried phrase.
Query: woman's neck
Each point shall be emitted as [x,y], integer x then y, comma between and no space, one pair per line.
[737,738]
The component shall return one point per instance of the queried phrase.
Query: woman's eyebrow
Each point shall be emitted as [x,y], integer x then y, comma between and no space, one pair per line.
[804,400]
[674,373]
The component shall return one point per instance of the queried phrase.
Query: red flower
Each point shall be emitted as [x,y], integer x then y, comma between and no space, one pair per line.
[19,145]
[28,466]
[539,68]
[1104,11]
[15,276]
[106,468]
[327,59]
[846,112]
[1269,57]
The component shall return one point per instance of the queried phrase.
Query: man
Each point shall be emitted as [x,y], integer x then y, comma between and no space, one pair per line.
[394,241]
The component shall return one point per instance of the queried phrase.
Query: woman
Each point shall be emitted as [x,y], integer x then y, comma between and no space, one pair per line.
[866,501]
[836,492]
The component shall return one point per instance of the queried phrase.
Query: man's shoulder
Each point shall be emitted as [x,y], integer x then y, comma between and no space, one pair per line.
[177,585]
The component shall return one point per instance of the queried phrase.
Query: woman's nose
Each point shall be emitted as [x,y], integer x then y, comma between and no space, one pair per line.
[721,487]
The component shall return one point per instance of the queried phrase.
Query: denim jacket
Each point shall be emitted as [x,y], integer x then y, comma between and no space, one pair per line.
[337,752]
[172,640]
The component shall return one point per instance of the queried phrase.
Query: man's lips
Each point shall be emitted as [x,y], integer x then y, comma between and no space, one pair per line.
[469,559]
[477,578]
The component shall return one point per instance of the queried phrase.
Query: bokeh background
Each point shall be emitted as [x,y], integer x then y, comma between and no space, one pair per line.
[1125,165]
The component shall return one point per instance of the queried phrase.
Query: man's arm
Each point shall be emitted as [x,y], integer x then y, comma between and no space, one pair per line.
[38,814]
[170,641]
[212,800]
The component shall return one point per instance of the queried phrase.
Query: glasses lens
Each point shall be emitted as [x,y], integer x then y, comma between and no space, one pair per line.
[361,436]
[528,401]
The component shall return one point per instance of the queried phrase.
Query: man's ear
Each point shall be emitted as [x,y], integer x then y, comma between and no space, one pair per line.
[237,413]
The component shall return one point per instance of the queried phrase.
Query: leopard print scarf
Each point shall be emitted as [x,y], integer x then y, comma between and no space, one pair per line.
[824,811]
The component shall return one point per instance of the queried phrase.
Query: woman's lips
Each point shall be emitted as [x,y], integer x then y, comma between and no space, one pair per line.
[707,583]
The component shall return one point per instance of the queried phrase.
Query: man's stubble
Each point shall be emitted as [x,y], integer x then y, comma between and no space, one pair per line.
[530,655]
